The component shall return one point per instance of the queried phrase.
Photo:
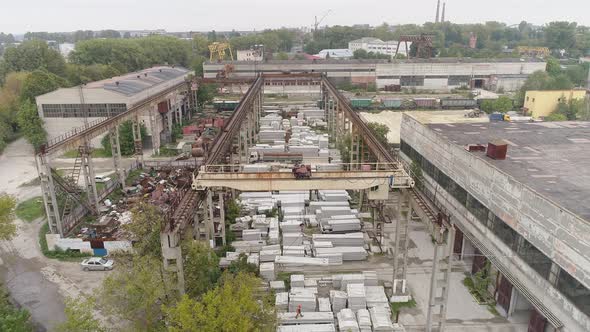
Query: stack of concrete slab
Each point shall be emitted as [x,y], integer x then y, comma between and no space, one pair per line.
[282,301]
[324,304]
[342,240]
[273,231]
[307,328]
[376,297]
[297,280]
[334,195]
[271,135]
[333,258]
[267,271]
[261,222]
[323,167]
[305,150]
[370,278]
[380,318]
[253,259]
[340,224]
[293,239]
[364,319]
[290,318]
[248,246]
[270,253]
[304,297]
[294,251]
[325,212]
[252,235]
[291,226]
[292,261]
[367,278]
[347,321]
[338,300]
[348,253]
[277,285]
[357,298]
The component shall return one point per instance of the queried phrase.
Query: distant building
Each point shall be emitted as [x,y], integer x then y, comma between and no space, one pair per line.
[342,53]
[540,104]
[376,45]
[65,49]
[250,55]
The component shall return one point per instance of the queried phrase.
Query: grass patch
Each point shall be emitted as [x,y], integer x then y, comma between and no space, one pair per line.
[166,152]
[286,277]
[397,306]
[62,255]
[96,153]
[30,209]
[132,176]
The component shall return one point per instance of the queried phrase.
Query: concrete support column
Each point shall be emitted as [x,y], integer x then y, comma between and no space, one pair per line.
[155,125]
[169,116]
[222,217]
[116,152]
[49,196]
[196,227]
[211,225]
[172,254]
[89,175]
[137,140]
[440,278]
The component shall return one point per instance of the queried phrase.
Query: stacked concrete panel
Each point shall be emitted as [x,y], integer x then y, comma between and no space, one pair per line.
[357,298]
[380,319]
[267,271]
[282,301]
[338,300]
[376,297]
[347,321]
[307,328]
[364,319]
[324,304]
[304,297]
[290,318]
[348,253]
[342,240]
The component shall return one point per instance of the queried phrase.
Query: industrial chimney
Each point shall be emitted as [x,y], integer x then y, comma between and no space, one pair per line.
[442,19]
[437,12]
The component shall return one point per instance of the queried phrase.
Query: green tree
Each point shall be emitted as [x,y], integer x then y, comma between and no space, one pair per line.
[282,56]
[7,226]
[11,318]
[556,117]
[136,291]
[31,124]
[560,35]
[79,317]
[205,94]
[126,141]
[40,82]
[34,55]
[146,223]
[235,305]
[241,265]
[360,54]
[380,131]
[201,268]
[553,66]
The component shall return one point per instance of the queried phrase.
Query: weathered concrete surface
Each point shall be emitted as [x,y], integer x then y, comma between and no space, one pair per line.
[558,233]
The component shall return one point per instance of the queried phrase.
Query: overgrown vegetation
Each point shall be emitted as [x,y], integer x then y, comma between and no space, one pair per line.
[7,225]
[479,283]
[126,142]
[31,209]
[12,318]
[398,306]
[56,253]
[380,131]
[503,105]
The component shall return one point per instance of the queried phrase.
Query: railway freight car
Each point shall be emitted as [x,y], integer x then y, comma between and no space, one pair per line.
[458,103]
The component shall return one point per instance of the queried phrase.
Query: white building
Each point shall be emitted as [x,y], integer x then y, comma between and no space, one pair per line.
[250,55]
[376,45]
[66,109]
[341,53]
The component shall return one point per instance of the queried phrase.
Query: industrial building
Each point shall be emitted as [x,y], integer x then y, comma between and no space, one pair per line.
[377,45]
[540,104]
[440,74]
[524,209]
[66,109]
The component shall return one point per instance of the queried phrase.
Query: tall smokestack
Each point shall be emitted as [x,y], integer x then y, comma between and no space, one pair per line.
[442,19]
[437,12]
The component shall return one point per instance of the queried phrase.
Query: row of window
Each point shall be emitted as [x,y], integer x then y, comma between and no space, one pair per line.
[419,80]
[563,281]
[77,111]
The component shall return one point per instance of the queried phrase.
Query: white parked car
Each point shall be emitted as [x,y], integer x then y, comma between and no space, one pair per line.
[102,179]
[97,263]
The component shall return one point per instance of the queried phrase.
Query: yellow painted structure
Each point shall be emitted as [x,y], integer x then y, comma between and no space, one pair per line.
[542,103]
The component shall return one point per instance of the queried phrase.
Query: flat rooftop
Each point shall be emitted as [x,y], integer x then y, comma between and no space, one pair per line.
[552,158]
[382,61]
[133,83]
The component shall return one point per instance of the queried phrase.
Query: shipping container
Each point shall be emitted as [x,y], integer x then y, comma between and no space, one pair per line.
[225,105]
[496,117]
[392,103]
[361,103]
[458,103]
[425,102]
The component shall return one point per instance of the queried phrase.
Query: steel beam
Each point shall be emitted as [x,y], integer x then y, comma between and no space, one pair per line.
[89,175]
[49,195]
[116,153]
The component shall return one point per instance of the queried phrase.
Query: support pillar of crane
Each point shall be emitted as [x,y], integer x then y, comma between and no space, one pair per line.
[210,223]
[155,126]
[172,254]
[400,250]
[137,140]
[222,217]
[116,152]
[49,195]
[440,279]
[85,153]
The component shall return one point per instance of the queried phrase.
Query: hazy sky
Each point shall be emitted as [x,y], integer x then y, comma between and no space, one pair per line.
[18,16]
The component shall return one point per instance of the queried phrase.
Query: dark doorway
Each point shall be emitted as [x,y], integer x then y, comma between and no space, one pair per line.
[479,261]
[537,322]
[505,294]
[458,246]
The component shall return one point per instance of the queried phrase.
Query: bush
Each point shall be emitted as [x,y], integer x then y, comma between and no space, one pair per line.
[57,253]
[30,209]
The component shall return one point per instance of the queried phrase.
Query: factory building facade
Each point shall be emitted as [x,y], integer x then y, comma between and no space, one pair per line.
[524,217]
[66,109]
[440,74]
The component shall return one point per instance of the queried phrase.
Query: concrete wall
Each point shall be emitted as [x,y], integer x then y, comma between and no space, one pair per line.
[559,234]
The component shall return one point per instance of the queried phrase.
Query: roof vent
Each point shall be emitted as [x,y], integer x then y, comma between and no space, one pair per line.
[475,148]
[117,83]
[160,70]
[138,76]
[497,149]
[145,74]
